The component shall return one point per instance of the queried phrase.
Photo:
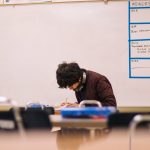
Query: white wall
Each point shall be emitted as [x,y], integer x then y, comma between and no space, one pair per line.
[35,39]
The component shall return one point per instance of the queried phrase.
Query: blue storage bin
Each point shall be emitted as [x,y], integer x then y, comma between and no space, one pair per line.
[87,111]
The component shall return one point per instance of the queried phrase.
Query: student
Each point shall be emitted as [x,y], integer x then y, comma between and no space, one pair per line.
[87,85]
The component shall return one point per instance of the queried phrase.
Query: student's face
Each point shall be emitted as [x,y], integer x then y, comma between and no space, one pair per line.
[74,86]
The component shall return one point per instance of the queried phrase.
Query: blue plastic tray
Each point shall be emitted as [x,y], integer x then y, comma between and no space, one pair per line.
[87,111]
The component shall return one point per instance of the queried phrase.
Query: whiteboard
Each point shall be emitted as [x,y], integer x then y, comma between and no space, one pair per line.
[139,39]
[35,39]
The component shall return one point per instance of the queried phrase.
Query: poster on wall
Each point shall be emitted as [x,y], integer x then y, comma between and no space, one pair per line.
[139,38]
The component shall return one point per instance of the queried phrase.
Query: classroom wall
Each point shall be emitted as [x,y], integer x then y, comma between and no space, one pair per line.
[34,39]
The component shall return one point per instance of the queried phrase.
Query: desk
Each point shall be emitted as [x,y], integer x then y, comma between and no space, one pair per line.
[116,140]
[58,121]
[120,109]
[133,109]
[5,107]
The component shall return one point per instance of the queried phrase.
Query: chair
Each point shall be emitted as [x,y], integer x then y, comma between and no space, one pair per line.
[36,116]
[138,120]
[35,119]
[24,120]
[89,103]
[7,121]
[37,105]
[122,120]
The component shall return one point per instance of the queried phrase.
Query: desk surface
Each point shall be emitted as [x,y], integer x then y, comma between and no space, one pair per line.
[74,140]
[5,107]
[121,109]
[134,109]
[59,121]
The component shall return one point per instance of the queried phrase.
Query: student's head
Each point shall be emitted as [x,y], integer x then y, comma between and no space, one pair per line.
[69,75]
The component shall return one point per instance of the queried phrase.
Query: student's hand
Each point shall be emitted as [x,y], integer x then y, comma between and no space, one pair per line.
[68,104]
[72,105]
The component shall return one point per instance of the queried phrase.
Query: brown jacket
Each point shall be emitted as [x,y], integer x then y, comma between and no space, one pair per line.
[97,87]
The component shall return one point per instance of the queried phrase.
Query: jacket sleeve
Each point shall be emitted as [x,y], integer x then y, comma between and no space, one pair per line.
[105,93]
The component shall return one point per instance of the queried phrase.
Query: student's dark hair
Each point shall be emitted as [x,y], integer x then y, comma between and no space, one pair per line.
[68,74]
